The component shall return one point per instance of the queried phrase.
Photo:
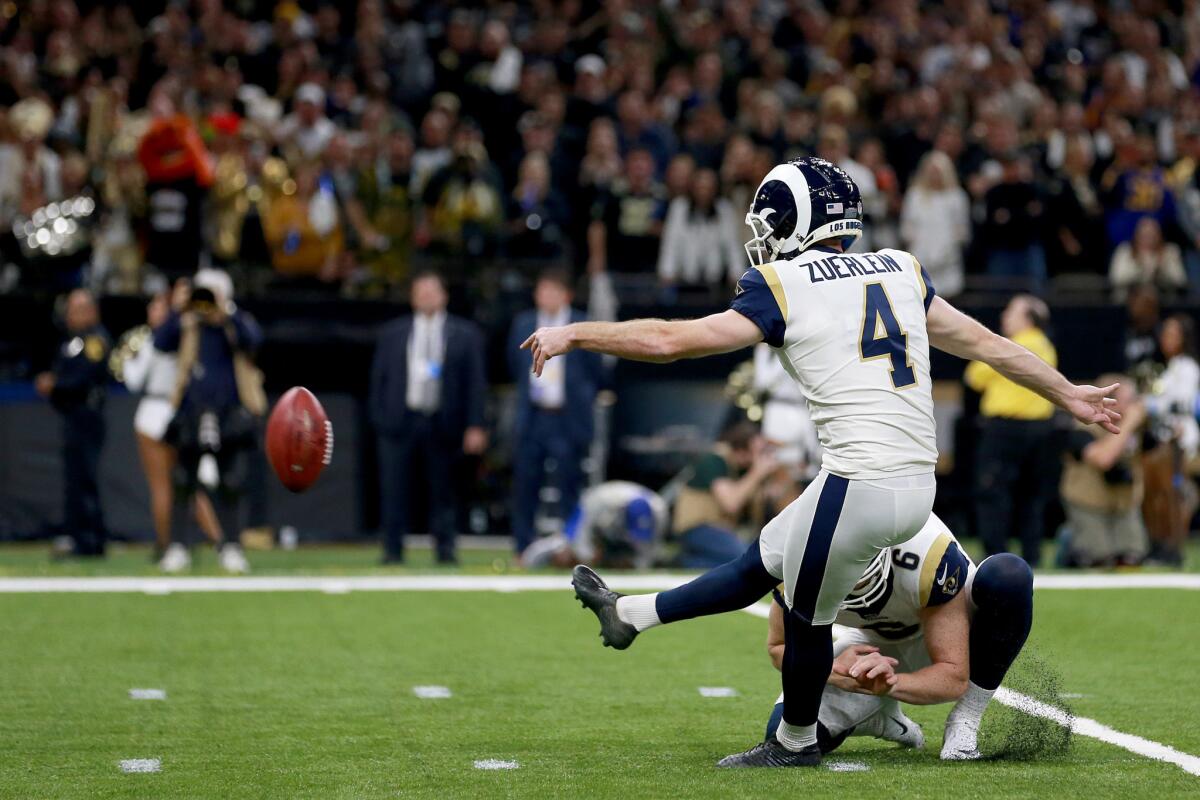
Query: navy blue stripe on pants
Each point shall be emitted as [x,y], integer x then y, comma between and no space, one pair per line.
[816,551]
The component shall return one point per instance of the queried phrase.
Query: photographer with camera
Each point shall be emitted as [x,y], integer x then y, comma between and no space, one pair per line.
[218,400]
[1103,486]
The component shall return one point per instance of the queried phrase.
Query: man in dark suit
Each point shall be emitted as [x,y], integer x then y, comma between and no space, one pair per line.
[428,391]
[554,412]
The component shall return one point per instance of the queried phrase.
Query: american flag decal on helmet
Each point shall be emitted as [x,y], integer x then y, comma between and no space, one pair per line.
[833,208]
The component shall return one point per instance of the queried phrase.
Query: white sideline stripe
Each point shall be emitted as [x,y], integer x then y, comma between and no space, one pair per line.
[718,691]
[1080,725]
[141,765]
[431,692]
[479,583]
[1095,730]
[147,694]
[495,763]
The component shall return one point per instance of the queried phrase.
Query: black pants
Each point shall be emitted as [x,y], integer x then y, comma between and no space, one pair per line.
[404,457]
[234,452]
[1015,480]
[545,437]
[83,521]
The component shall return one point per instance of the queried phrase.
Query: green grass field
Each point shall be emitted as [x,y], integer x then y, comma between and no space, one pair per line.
[289,695]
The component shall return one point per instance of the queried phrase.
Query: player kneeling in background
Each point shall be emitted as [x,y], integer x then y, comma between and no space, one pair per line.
[923,626]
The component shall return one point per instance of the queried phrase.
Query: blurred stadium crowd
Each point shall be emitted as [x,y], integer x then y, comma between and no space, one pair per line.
[332,144]
[342,149]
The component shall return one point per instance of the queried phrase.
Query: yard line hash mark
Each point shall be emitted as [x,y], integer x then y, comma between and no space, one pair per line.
[431,692]
[132,765]
[147,694]
[495,763]
[718,691]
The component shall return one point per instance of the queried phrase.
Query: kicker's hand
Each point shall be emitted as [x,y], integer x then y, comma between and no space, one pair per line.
[546,343]
[875,673]
[1093,405]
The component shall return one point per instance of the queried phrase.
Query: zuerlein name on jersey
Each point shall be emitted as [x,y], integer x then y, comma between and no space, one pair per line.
[834,267]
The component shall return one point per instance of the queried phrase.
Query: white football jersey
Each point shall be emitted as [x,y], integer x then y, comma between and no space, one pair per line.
[850,328]
[927,570]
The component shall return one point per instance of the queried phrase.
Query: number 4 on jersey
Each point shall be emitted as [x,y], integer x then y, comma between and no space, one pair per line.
[893,343]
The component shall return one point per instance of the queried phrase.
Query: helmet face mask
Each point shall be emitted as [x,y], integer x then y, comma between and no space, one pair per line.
[873,584]
[799,204]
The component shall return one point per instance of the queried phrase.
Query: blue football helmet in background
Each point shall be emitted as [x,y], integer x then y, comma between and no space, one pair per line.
[799,204]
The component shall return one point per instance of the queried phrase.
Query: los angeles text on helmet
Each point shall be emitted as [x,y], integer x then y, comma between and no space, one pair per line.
[834,267]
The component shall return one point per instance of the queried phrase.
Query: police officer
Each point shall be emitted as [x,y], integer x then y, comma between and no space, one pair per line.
[76,389]
[218,400]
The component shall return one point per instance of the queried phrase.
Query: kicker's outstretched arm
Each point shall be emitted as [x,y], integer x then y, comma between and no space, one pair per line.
[653,340]
[960,335]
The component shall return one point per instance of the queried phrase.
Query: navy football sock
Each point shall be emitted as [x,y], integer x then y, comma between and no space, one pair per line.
[729,587]
[1003,596]
[807,660]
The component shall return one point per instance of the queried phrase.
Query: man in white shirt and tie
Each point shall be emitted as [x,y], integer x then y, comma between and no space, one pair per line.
[427,401]
[554,410]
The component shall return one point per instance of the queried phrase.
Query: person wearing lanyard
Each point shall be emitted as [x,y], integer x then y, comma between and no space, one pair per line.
[427,401]
[554,410]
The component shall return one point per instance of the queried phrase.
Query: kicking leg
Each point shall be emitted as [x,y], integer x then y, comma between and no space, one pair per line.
[1002,593]
[729,587]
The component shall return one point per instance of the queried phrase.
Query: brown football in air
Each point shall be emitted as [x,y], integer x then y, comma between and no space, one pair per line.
[299,439]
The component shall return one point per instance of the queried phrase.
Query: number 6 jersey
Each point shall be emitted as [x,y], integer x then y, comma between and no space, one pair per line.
[850,328]
[928,570]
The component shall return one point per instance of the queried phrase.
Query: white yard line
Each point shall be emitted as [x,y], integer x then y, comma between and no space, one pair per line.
[1095,730]
[479,583]
[1080,725]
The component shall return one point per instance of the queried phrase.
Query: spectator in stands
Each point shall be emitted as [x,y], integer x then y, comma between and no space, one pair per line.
[1102,487]
[1015,449]
[1075,236]
[218,402]
[601,163]
[721,488]
[385,197]
[427,401]
[1135,187]
[637,131]
[626,222]
[433,152]
[697,249]
[30,172]
[76,388]
[1011,231]
[554,411]
[304,231]
[304,133]
[678,180]
[833,145]
[462,209]
[1147,259]
[935,224]
[536,216]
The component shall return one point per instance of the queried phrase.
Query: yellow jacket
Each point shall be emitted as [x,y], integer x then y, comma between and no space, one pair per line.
[1002,397]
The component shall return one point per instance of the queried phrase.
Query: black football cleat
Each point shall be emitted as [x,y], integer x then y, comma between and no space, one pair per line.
[595,595]
[772,754]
